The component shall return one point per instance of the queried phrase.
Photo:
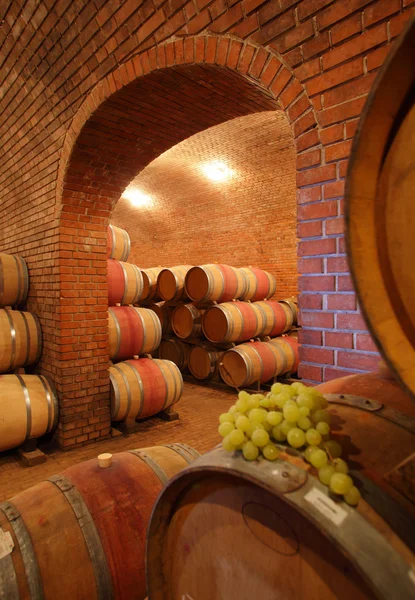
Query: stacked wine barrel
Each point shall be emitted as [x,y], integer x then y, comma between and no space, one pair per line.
[141,385]
[206,310]
[28,403]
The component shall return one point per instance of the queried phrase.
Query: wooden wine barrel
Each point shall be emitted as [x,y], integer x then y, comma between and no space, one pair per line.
[132,331]
[289,346]
[277,316]
[380,211]
[292,304]
[144,387]
[186,321]
[233,322]
[14,280]
[118,243]
[81,534]
[20,339]
[252,362]
[170,283]
[260,285]
[164,313]
[221,283]
[150,291]
[204,361]
[175,350]
[229,528]
[125,283]
[28,409]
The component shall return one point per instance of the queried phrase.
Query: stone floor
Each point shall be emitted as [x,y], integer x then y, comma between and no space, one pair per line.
[198,408]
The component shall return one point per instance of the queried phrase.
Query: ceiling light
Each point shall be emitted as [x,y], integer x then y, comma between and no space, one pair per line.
[137,197]
[217,171]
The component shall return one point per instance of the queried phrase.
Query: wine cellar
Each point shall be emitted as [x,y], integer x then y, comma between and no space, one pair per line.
[207,350]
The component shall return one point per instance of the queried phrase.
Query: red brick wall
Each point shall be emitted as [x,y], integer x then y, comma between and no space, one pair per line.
[250,219]
[60,60]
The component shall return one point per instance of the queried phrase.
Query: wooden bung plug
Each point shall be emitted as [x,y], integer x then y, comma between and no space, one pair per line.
[105,460]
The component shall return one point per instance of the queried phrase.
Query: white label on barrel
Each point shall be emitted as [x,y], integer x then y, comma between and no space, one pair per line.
[6,543]
[326,506]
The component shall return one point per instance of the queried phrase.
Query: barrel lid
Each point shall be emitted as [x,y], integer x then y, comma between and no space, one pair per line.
[380,210]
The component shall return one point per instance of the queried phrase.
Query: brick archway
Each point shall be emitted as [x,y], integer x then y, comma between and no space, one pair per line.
[97,164]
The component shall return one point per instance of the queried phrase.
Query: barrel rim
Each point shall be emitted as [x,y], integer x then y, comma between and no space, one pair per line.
[373,295]
[356,536]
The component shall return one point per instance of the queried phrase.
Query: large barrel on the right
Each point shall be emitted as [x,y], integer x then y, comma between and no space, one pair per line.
[143,387]
[380,210]
[81,534]
[14,280]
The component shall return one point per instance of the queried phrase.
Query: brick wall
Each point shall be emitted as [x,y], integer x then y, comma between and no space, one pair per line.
[61,59]
[250,219]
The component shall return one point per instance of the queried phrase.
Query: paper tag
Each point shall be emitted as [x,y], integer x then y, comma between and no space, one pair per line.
[6,543]
[326,506]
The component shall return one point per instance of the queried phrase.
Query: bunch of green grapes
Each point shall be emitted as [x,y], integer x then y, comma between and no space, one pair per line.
[294,414]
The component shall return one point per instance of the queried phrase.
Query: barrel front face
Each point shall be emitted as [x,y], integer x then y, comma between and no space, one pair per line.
[164,313]
[239,539]
[176,351]
[20,339]
[186,321]
[29,409]
[170,282]
[204,361]
[14,280]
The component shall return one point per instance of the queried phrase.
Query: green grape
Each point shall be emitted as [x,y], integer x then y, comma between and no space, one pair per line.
[291,412]
[227,444]
[341,483]
[304,411]
[309,451]
[276,388]
[250,451]
[226,418]
[296,437]
[277,434]
[322,401]
[244,396]
[225,429]
[267,426]
[242,423]
[340,465]
[253,402]
[272,400]
[318,458]
[352,497]
[281,399]
[325,473]
[304,399]
[265,403]
[250,429]
[304,423]
[257,415]
[274,417]
[242,405]
[236,437]
[289,390]
[313,437]
[286,426]
[237,414]
[323,428]
[298,387]
[260,437]
[232,409]
[333,448]
[270,452]
[321,415]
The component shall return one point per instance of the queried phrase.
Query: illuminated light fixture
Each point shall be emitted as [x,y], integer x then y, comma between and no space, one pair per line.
[137,197]
[217,171]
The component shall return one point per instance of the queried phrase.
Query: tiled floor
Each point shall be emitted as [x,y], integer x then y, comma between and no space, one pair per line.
[198,408]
